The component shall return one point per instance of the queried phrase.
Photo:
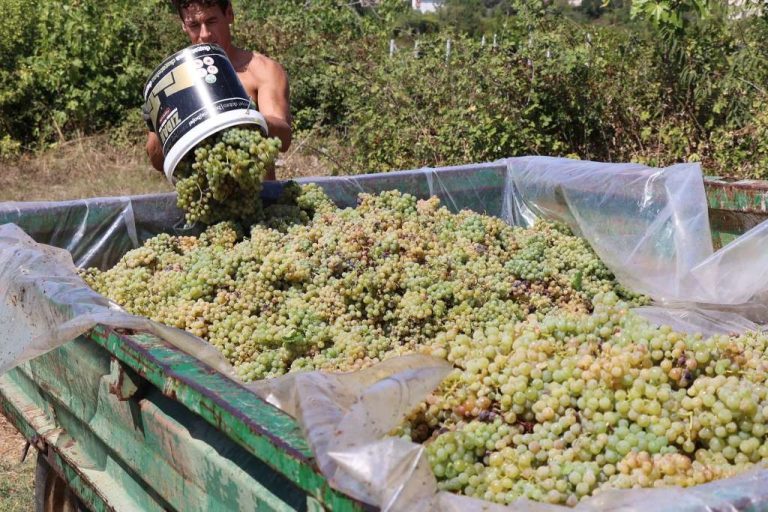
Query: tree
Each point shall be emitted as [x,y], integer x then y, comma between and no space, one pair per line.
[671,15]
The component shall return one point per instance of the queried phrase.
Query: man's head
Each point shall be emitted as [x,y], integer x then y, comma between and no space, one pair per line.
[206,21]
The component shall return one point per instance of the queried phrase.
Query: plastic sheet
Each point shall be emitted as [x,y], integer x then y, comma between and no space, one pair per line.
[96,232]
[346,427]
[44,304]
[651,228]
[649,225]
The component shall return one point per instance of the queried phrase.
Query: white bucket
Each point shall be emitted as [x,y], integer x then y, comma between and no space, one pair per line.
[193,94]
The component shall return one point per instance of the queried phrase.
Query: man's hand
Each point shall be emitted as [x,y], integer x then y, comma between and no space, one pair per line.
[155,151]
[280,128]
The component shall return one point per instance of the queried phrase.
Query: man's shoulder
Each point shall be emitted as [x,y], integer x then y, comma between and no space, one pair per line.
[264,67]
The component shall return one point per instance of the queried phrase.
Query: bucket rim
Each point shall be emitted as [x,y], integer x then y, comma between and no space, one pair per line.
[204,130]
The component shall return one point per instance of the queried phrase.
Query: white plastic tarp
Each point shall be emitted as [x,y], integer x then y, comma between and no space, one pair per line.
[651,228]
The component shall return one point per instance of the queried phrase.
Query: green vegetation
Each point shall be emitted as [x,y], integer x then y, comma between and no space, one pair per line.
[17,485]
[78,66]
[653,81]
[17,490]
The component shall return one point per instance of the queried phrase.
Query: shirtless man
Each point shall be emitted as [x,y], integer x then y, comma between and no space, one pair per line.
[208,21]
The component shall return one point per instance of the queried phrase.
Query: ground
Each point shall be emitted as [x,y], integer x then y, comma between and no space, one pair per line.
[16,477]
[95,167]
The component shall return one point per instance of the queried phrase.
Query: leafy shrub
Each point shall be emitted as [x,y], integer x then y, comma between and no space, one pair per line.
[85,64]
[686,88]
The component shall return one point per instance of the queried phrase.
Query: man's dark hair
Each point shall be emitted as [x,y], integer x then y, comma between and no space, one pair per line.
[183,4]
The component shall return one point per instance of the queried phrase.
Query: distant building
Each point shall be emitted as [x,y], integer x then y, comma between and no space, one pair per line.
[425,5]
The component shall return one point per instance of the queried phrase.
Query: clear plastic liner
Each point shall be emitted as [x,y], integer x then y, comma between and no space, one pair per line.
[476,187]
[698,318]
[44,304]
[650,226]
[346,418]
[97,232]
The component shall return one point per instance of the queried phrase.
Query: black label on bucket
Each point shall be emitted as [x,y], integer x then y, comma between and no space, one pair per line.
[192,86]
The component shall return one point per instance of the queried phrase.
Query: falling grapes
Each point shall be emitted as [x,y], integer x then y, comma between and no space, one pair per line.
[223,180]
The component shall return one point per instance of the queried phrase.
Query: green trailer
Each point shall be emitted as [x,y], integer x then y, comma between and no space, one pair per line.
[126,421]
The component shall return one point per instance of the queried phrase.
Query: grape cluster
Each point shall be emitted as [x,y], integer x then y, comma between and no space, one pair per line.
[223,180]
[564,407]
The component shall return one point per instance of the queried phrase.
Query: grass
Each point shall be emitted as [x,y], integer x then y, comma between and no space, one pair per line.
[17,487]
[94,166]
[17,479]
[80,168]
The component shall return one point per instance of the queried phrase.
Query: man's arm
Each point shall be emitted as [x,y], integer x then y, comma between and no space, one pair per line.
[155,151]
[274,103]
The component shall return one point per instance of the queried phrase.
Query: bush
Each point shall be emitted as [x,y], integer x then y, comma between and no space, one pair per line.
[608,89]
[83,65]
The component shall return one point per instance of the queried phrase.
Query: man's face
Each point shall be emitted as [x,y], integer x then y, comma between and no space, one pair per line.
[208,24]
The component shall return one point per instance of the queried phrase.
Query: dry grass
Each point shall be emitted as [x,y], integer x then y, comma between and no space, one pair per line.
[79,168]
[95,167]
[312,155]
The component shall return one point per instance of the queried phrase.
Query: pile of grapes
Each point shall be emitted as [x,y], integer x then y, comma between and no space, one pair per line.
[558,391]
[342,289]
[565,406]
[222,178]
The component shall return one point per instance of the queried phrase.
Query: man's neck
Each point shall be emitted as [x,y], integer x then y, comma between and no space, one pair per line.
[237,56]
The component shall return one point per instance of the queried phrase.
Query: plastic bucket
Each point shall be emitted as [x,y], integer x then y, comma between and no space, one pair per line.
[193,94]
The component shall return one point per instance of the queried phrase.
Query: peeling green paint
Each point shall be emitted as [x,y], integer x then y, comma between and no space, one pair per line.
[184,439]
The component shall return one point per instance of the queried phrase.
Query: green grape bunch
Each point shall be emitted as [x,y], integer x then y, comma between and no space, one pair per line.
[570,405]
[222,179]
